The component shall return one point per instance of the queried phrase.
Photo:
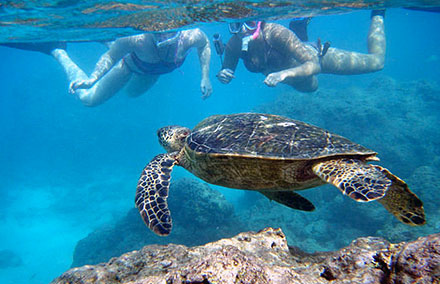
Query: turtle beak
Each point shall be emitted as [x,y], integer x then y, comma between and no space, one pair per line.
[164,137]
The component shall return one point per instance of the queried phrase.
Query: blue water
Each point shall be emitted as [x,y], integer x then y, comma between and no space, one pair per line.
[67,169]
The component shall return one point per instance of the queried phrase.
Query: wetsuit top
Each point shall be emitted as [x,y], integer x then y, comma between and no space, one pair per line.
[274,50]
[162,66]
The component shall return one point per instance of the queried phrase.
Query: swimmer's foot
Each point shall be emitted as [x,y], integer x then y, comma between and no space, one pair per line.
[378,13]
[44,47]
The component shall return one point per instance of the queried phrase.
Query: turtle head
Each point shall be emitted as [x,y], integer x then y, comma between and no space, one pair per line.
[172,138]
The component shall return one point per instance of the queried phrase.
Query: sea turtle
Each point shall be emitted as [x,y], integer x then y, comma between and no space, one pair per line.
[274,155]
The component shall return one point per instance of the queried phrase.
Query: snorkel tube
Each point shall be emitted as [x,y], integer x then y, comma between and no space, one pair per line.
[245,41]
[166,38]
[257,32]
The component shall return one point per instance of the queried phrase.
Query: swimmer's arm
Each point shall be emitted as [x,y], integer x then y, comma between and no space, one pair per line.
[232,53]
[199,40]
[290,44]
[304,70]
[309,61]
[308,68]
[229,63]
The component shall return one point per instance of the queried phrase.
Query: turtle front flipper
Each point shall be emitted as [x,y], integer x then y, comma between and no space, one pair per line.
[358,180]
[152,193]
[401,202]
[290,199]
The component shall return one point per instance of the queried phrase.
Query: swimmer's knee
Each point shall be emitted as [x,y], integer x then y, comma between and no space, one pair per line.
[378,64]
[381,65]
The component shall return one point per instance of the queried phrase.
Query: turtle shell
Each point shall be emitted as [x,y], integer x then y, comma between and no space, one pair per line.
[268,136]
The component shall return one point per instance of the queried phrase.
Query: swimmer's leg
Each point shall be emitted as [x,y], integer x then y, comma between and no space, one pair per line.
[338,61]
[303,84]
[139,84]
[376,35]
[104,89]
[107,86]
[72,70]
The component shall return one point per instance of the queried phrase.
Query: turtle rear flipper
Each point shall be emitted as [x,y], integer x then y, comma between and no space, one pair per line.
[290,199]
[358,180]
[401,202]
[152,193]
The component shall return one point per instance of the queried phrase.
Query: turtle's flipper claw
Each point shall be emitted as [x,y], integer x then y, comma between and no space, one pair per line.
[152,194]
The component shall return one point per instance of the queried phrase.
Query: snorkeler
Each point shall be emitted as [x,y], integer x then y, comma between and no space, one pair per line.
[136,61]
[278,53]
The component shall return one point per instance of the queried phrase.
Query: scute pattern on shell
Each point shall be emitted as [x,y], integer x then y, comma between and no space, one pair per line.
[268,136]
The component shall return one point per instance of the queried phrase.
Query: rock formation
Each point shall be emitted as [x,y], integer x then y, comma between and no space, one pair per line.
[265,257]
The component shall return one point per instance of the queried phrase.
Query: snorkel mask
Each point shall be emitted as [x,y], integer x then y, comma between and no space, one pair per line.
[249,28]
[166,38]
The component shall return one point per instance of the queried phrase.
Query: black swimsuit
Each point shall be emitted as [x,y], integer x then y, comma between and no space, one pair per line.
[160,67]
[157,68]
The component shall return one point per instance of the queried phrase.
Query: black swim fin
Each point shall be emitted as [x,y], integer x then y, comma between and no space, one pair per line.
[425,9]
[43,47]
[380,12]
[299,27]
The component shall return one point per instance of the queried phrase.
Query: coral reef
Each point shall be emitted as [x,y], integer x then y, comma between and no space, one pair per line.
[265,257]
[200,214]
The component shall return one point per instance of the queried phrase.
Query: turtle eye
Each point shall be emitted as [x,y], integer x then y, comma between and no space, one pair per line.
[184,132]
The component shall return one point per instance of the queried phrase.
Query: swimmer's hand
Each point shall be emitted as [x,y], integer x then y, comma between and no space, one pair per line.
[225,75]
[81,84]
[274,78]
[206,88]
